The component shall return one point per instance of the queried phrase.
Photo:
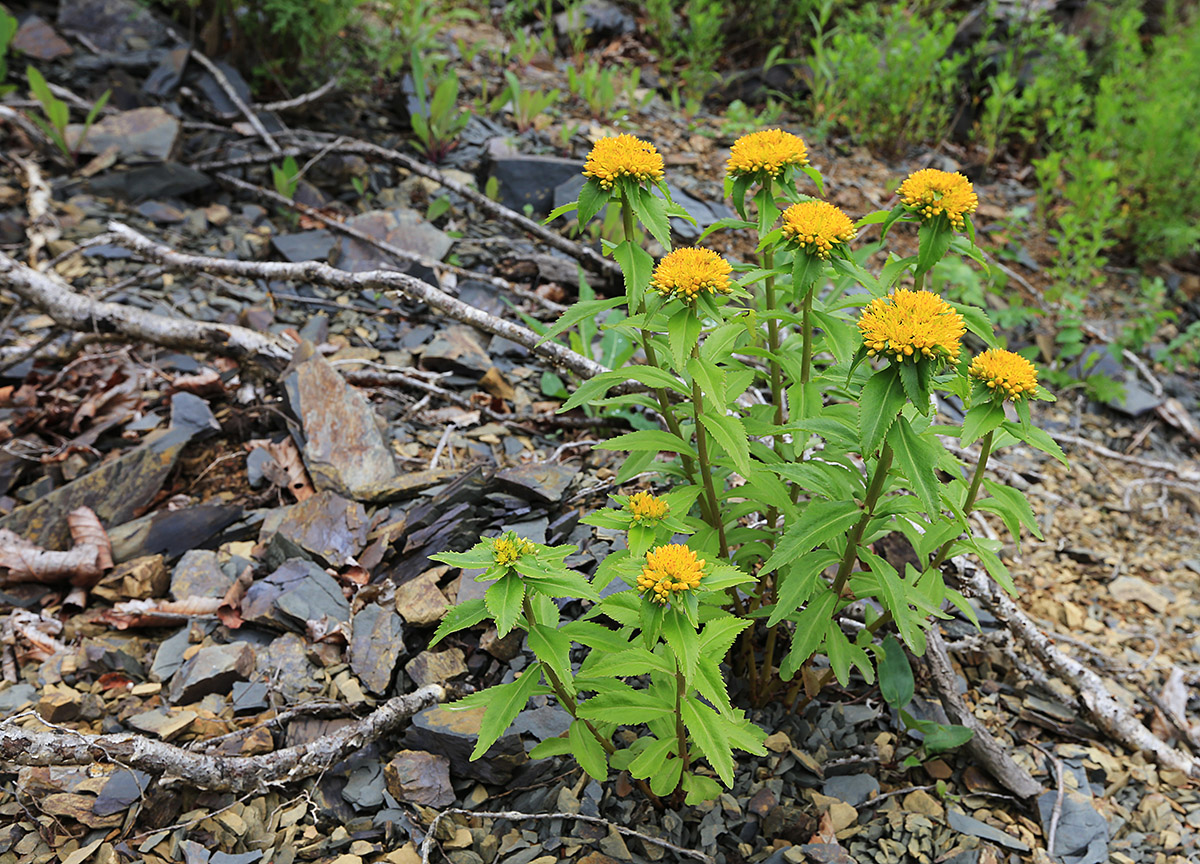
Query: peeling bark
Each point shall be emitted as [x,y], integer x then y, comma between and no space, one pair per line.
[237,774]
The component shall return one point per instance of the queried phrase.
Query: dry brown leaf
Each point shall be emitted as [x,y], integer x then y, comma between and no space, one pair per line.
[85,528]
[32,635]
[294,476]
[22,561]
[206,383]
[159,613]
[230,610]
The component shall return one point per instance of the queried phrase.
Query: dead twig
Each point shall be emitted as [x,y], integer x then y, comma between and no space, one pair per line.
[236,99]
[77,312]
[339,227]
[1109,714]
[237,774]
[1150,464]
[380,280]
[584,254]
[301,100]
[983,746]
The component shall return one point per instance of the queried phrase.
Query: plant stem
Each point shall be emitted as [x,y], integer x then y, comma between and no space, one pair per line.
[886,618]
[806,345]
[705,465]
[856,533]
[680,731]
[972,493]
[767,588]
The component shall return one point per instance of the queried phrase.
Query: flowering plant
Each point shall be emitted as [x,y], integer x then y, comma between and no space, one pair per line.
[797,404]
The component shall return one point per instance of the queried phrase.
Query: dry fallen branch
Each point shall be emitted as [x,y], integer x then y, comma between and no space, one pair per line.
[496,210]
[1178,470]
[237,100]
[77,312]
[339,227]
[1108,714]
[236,774]
[379,280]
[983,746]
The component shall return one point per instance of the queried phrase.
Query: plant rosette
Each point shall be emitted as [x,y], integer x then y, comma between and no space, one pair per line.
[649,519]
[517,568]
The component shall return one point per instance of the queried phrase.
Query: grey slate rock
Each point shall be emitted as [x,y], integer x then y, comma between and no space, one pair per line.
[965,824]
[1082,833]
[532,180]
[376,646]
[854,789]
[305,245]
[212,669]
[199,574]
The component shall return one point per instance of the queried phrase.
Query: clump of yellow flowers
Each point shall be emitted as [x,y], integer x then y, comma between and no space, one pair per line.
[917,324]
[507,548]
[623,156]
[669,570]
[767,153]
[931,192]
[1009,375]
[817,227]
[687,273]
[646,508]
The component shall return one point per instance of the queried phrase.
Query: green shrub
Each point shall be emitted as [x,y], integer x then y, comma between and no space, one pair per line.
[884,75]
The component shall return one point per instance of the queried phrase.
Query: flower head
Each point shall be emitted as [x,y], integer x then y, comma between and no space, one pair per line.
[767,152]
[911,324]
[507,548]
[646,508]
[685,273]
[930,192]
[1010,375]
[669,570]
[623,156]
[817,226]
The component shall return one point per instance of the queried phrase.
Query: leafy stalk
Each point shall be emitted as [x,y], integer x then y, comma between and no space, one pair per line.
[567,701]
[886,618]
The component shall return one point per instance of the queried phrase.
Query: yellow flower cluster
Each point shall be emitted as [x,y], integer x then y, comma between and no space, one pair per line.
[1008,374]
[767,152]
[685,273]
[908,323]
[646,508]
[507,549]
[931,192]
[817,226]
[623,156]
[669,570]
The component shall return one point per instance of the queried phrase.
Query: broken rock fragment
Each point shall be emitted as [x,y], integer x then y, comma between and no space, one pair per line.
[212,669]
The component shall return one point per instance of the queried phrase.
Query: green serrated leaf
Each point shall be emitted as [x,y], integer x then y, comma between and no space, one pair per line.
[504,703]
[798,581]
[588,752]
[879,406]
[707,730]
[503,599]
[460,617]
[820,521]
[649,439]
[917,456]
[731,435]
